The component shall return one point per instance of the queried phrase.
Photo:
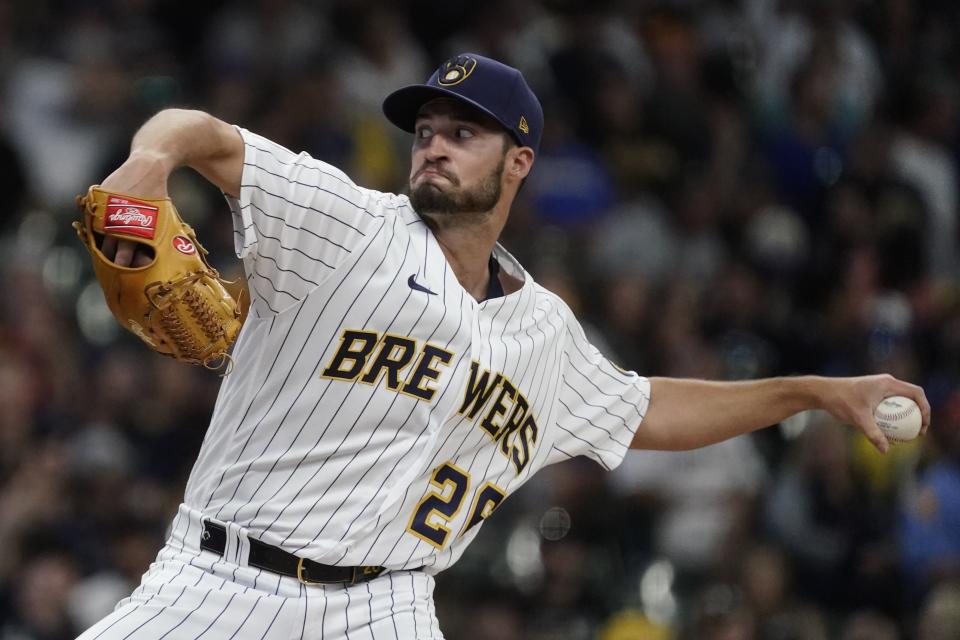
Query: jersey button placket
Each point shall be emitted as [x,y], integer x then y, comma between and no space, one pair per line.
[476,337]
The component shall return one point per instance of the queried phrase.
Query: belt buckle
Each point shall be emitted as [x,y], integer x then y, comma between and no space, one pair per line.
[369,573]
[301,577]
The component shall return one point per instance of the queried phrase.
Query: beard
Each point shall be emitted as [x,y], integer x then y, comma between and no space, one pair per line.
[428,198]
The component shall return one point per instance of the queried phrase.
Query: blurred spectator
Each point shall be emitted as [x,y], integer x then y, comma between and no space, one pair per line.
[594,45]
[496,621]
[737,317]
[940,615]
[681,347]
[624,317]
[267,38]
[571,186]
[19,396]
[789,31]
[308,112]
[33,496]
[704,499]
[40,604]
[868,625]
[672,130]
[382,55]
[823,514]
[131,546]
[62,114]
[930,511]
[930,114]
[719,613]
[766,581]
[13,179]
[630,625]
[636,238]
[807,150]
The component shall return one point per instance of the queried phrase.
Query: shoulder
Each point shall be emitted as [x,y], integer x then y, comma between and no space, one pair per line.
[520,280]
[399,203]
[269,159]
[554,303]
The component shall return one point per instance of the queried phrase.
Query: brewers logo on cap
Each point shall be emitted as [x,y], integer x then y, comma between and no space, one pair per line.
[482,83]
[456,70]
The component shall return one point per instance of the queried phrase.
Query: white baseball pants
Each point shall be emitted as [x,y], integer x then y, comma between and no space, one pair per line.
[189,593]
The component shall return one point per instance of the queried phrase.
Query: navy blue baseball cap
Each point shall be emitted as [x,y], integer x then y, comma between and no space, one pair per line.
[497,90]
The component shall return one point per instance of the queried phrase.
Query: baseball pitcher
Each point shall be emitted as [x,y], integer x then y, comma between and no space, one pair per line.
[399,374]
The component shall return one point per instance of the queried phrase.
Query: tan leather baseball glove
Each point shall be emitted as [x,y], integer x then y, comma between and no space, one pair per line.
[177,303]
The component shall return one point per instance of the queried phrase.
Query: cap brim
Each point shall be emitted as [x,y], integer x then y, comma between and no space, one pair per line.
[402,106]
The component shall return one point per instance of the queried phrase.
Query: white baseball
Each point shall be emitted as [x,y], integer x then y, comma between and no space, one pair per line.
[899,418]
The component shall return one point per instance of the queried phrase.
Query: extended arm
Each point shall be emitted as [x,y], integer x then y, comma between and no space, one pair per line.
[171,139]
[686,414]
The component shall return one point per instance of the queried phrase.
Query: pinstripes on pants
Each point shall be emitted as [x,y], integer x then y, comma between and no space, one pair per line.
[190,593]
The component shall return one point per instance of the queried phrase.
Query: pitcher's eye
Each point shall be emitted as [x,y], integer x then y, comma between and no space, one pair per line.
[424,132]
[463,132]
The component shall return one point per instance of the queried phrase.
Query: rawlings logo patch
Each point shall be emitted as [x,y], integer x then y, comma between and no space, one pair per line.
[183,245]
[131,217]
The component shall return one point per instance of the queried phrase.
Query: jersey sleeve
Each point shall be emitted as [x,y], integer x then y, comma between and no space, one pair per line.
[599,407]
[296,220]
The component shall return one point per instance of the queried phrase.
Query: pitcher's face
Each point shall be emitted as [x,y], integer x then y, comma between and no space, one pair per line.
[457,160]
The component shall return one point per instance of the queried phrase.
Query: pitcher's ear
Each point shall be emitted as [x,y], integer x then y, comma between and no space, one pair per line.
[520,161]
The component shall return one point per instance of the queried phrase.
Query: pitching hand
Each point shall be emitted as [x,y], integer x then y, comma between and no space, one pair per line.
[853,400]
[140,175]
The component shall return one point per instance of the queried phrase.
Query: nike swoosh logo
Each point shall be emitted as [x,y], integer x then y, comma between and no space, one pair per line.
[416,286]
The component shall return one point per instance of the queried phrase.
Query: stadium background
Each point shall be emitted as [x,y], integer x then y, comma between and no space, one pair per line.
[726,189]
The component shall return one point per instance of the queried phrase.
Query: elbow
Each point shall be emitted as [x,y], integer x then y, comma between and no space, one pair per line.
[174,117]
[179,112]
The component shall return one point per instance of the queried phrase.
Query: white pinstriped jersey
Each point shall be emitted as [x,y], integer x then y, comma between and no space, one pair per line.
[377,413]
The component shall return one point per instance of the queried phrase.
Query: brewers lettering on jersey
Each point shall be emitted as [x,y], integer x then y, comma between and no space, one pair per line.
[399,376]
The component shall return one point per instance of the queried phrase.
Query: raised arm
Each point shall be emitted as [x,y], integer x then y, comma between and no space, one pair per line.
[686,414]
[174,138]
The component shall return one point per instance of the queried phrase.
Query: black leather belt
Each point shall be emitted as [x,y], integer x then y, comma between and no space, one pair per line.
[271,558]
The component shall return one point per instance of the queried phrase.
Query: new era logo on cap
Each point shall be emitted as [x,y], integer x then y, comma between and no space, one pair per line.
[494,88]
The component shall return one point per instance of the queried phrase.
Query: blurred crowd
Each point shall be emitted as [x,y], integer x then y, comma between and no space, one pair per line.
[726,189]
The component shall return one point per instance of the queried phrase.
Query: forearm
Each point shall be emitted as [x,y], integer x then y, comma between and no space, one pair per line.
[178,137]
[171,139]
[686,414]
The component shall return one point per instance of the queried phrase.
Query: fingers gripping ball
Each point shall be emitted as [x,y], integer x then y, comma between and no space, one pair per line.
[899,418]
[177,303]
